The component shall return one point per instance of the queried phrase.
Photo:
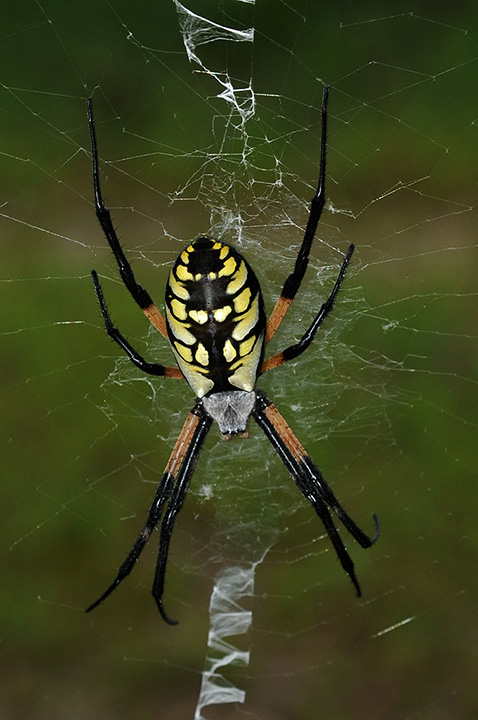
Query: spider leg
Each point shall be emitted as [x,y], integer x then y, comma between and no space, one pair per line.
[188,454]
[294,280]
[162,494]
[138,293]
[134,356]
[298,348]
[310,482]
[177,474]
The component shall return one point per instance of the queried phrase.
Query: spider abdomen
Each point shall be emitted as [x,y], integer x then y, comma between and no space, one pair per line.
[215,318]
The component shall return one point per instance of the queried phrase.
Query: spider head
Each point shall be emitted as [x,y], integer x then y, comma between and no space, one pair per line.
[231,410]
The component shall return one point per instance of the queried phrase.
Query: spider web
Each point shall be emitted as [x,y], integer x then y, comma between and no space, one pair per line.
[208,120]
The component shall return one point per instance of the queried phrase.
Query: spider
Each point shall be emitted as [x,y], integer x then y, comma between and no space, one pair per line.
[217,328]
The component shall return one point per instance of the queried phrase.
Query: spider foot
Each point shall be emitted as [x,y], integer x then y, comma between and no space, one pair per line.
[349,569]
[374,537]
[166,618]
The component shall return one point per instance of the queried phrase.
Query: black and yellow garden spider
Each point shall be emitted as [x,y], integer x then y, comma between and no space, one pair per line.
[216,325]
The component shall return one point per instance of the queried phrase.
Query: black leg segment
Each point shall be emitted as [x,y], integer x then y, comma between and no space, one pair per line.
[171,490]
[139,294]
[113,332]
[310,482]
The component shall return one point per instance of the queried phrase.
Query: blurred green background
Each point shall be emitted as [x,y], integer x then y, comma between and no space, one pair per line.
[386,401]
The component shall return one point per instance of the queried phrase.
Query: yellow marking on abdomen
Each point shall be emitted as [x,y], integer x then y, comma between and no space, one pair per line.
[201,355]
[199,316]
[185,352]
[183,273]
[179,309]
[246,346]
[247,322]
[229,351]
[179,330]
[244,377]
[238,280]
[220,314]
[241,302]
[178,288]
[228,267]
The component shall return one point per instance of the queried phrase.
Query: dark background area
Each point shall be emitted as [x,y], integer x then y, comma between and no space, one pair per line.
[386,400]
